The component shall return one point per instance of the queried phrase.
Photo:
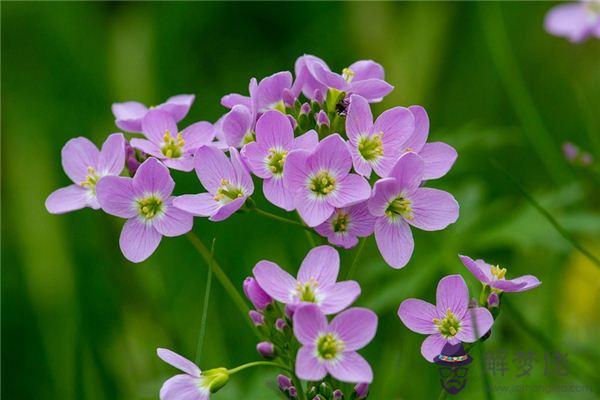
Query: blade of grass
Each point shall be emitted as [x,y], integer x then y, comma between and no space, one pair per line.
[562,231]
[352,268]
[205,306]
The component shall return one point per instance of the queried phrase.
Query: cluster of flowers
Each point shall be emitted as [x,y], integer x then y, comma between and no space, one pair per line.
[314,156]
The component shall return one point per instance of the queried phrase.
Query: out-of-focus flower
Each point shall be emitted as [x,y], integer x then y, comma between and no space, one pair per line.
[146,201]
[331,347]
[165,142]
[284,382]
[449,321]
[321,180]
[377,146]
[129,114]
[228,183]
[85,165]
[266,349]
[494,276]
[346,225]
[267,156]
[316,282]
[361,390]
[574,155]
[575,21]
[399,202]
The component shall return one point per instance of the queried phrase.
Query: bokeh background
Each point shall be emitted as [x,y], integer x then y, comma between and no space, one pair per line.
[80,322]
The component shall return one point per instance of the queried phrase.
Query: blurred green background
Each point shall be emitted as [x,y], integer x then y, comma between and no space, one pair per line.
[80,322]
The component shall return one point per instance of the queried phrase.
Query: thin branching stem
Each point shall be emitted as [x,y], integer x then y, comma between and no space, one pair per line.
[203,319]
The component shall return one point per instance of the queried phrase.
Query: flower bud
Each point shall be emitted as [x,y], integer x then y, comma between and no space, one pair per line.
[292,121]
[337,394]
[288,98]
[257,318]
[259,298]
[293,392]
[322,119]
[266,349]
[493,300]
[284,382]
[280,324]
[361,390]
[318,96]
[305,109]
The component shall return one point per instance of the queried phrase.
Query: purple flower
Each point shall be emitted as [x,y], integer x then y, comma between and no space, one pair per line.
[321,180]
[85,165]
[365,78]
[284,382]
[377,146]
[570,151]
[316,282]
[346,225]
[331,347]
[449,321]
[129,115]
[361,390]
[493,276]
[267,156]
[575,21]
[146,201]
[228,183]
[266,349]
[165,142]
[259,298]
[399,201]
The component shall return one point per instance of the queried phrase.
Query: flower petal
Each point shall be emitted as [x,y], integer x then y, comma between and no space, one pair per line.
[307,366]
[241,175]
[321,264]
[112,155]
[295,172]
[309,322]
[178,106]
[234,99]
[314,211]
[355,326]
[78,155]
[480,269]
[274,280]
[371,89]
[352,367]
[184,163]
[307,141]
[452,294]
[156,124]
[419,137]
[273,130]
[236,124]
[254,154]
[433,209]
[147,147]
[153,177]
[129,115]
[432,346]
[179,362]
[270,89]
[197,134]
[384,191]
[520,284]
[475,323]
[138,240]
[366,69]
[225,211]
[397,125]
[394,240]
[408,170]
[351,190]
[277,194]
[339,296]
[203,204]
[331,154]
[359,119]
[67,199]
[212,165]
[418,316]
[569,20]
[439,157]
[183,387]
[116,196]
[174,221]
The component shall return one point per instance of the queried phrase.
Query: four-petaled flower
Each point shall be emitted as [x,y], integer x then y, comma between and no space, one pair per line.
[398,202]
[165,142]
[316,282]
[228,183]
[449,321]
[377,146]
[146,201]
[346,225]
[86,166]
[494,276]
[331,347]
[267,155]
[321,180]
[129,114]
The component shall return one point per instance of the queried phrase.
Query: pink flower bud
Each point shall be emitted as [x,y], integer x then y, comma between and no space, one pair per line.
[284,382]
[362,390]
[280,324]
[493,300]
[322,118]
[259,298]
[266,349]
[257,318]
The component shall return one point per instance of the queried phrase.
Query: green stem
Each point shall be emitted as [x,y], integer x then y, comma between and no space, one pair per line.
[352,269]
[257,364]
[487,387]
[280,219]
[203,319]
[443,394]
[223,279]
[562,231]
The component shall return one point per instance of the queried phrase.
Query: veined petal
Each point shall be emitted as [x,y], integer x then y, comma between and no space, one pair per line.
[339,296]
[394,240]
[236,124]
[116,196]
[331,154]
[418,316]
[307,365]
[384,191]
[112,156]
[78,155]
[419,137]
[314,211]
[270,89]
[197,134]
[153,177]
[475,323]
[203,204]
[359,119]
[179,362]
[366,69]
[138,240]
[480,269]
[350,190]
[408,171]
[295,171]
[212,165]
[307,141]
[156,124]
[433,209]
[438,157]
[321,264]
[371,89]
[452,294]
[129,115]
[276,193]
[355,326]
[67,199]
[274,280]
[226,210]
[397,125]
[147,147]
[273,130]
[254,154]
[183,387]
[432,346]
[174,221]
[178,106]
[352,367]
[520,284]
[242,176]
[309,322]
[234,99]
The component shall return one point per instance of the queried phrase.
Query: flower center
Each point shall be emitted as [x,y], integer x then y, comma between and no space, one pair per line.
[307,291]
[228,192]
[340,222]
[90,180]
[448,326]
[275,160]
[150,206]
[172,146]
[371,147]
[400,206]
[348,74]
[322,184]
[498,272]
[329,346]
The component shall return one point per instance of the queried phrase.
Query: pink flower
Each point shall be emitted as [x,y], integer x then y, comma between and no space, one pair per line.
[228,183]
[321,180]
[316,282]
[575,21]
[346,225]
[85,165]
[494,276]
[399,202]
[129,115]
[146,201]
[331,347]
[449,321]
